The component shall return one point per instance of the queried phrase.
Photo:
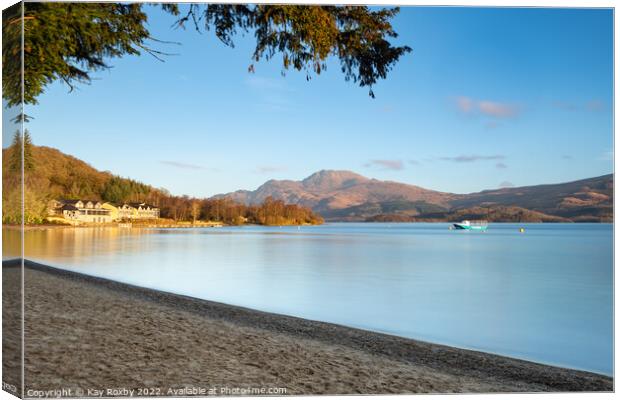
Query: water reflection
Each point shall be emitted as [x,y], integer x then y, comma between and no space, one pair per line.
[545,295]
[11,243]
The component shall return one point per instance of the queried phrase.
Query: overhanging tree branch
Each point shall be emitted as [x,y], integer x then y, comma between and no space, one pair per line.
[70,41]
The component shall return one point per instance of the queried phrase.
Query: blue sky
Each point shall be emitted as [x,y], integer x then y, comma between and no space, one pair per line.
[488,97]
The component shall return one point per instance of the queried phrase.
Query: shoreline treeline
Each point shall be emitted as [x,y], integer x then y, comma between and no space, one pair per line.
[270,212]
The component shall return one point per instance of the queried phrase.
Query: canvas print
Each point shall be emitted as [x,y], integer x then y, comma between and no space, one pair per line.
[211,199]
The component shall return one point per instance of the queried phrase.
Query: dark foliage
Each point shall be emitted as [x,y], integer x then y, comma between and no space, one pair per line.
[70,41]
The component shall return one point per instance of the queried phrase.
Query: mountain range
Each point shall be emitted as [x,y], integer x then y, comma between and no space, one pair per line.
[335,195]
[347,196]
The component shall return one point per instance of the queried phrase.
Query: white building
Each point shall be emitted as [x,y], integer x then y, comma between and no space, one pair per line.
[91,211]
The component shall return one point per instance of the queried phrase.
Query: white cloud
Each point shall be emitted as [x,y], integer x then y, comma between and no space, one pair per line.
[496,109]
[489,108]
[465,104]
[181,165]
[395,165]
[473,158]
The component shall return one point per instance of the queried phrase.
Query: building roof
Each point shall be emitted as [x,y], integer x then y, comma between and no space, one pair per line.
[68,201]
[73,201]
[69,207]
[143,205]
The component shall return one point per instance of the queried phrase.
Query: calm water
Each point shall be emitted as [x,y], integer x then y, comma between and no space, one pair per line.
[545,295]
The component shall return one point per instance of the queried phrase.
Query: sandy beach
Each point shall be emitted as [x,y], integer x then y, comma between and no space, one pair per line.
[85,333]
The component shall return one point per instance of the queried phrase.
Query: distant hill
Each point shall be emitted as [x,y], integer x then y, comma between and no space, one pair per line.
[57,175]
[491,213]
[583,200]
[335,195]
[347,196]
[327,190]
[61,175]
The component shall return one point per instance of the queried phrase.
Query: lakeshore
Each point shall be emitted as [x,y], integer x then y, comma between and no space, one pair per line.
[38,227]
[84,332]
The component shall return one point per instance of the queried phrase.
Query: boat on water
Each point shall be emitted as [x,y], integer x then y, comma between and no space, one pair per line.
[471,225]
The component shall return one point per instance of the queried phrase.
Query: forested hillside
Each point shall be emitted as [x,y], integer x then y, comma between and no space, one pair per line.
[50,174]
